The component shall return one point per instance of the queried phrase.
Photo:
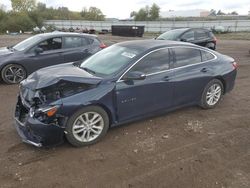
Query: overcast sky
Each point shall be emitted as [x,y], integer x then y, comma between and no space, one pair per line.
[122,8]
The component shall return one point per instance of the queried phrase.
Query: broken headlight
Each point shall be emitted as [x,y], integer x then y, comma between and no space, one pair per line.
[44,114]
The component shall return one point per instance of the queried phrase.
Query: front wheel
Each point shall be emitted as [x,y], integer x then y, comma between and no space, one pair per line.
[212,94]
[87,126]
[13,74]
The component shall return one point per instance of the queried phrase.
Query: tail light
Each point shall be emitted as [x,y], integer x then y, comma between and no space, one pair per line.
[102,45]
[235,65]
[215,39]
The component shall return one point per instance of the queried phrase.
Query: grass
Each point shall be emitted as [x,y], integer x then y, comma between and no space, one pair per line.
[234,36]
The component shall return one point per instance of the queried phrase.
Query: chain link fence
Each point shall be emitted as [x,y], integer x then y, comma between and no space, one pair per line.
[153,26]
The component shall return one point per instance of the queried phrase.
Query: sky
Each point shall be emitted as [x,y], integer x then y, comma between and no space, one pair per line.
[122,9]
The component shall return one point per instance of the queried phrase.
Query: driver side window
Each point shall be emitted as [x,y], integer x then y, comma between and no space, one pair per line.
[51,44]
[154,62]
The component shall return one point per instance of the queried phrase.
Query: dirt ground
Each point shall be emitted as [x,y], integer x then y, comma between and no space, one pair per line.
[188,148]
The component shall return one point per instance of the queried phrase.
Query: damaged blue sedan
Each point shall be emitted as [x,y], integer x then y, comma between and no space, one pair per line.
[122,83]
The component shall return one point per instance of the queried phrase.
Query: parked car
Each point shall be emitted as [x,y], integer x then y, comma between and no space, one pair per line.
[44,50]
[198,36]
[122,83]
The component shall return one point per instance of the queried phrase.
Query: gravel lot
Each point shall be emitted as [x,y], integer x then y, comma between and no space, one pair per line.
[188,148]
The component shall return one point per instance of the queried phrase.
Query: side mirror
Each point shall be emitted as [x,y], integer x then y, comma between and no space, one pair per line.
[136,75]
[38,50]
[183,40]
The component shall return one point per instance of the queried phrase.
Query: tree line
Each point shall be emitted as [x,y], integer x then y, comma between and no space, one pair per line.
[27,14]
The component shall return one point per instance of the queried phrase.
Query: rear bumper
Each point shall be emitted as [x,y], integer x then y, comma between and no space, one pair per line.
[230,81]
[36,133]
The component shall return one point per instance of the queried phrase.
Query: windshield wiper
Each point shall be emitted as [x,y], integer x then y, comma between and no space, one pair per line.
[88,70]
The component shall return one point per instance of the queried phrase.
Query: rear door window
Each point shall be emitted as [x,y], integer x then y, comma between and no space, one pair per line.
[73,42]
[201,34]
[206,56]
[155,62]
[186,56]
[188,36]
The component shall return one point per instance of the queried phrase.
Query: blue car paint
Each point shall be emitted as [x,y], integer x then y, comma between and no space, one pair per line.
[126,101]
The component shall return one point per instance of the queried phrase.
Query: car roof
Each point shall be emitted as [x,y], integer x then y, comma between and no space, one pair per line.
[188,28]
[61,34]
[149,44]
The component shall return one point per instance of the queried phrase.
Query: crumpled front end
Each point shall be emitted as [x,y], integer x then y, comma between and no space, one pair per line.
[37,131]
[39,114]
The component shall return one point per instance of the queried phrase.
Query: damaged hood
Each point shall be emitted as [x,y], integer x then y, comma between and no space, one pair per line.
[51,75]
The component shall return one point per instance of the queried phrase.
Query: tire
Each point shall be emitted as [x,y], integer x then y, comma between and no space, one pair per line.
[13,74]
[212,94]
[81,133]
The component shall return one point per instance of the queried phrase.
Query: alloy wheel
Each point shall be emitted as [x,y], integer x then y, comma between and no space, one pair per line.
[88,126]
[213,94]
[14,74]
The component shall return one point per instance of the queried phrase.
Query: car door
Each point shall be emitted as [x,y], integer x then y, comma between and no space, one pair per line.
[201,37]
[191,74]
[50,54]
[188,36]
[75,48]
[138,97]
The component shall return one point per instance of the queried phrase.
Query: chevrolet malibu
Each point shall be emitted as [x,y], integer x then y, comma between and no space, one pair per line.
[122,83]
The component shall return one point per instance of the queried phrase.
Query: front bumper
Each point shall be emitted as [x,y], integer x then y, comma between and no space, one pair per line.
[34,132]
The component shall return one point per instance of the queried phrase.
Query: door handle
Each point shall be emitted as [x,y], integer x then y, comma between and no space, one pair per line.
[204,70]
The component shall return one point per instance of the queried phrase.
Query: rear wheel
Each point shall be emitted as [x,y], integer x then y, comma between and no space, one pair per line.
[87,126]
[13,74]
[212,94]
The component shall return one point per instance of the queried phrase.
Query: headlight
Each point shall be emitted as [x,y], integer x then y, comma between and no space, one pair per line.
[43,112]
[49,111]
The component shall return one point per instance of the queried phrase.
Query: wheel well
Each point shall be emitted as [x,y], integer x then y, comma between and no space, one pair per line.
[107,111]
[223,83]
[103,107]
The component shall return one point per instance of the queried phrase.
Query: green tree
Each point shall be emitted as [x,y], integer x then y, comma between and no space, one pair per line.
[41,7]
[92,13]
[146,13]
[15,22]
[142,15]
[212,12]
[23,5]
[234,13]
[2,12]
[154,12]
[220,13]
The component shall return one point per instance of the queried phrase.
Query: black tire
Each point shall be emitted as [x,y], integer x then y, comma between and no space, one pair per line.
[204,99]
[19,75]
[73,138]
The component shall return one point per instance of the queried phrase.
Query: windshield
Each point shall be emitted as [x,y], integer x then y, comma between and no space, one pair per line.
[171,35]
[26,43]
[110,60]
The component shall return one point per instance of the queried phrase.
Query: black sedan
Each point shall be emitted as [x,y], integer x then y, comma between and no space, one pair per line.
[43,50]
[122,83]
[199,36]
